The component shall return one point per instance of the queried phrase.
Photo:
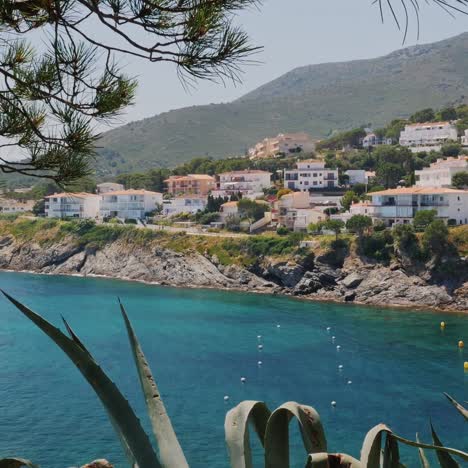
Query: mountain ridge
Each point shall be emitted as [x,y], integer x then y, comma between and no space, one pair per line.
[313,98]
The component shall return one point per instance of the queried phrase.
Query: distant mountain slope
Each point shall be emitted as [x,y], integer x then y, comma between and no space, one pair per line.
[316,99]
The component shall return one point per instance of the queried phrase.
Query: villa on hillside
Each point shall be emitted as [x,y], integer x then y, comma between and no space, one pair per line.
[283,143]
[194,184]
[310,174]
[184,204]
[429,136]
[129,204]
[72,205]
[106,187]
[440,173]
[249,183]
[371,140]
[399,206]
[296,211]
[11,205]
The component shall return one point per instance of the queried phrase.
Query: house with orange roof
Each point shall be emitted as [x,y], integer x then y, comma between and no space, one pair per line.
[72,205]
[428,136]
[129,204]
[399,206]
[194,184]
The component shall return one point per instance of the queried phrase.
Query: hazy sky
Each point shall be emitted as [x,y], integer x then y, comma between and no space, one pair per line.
[293,33]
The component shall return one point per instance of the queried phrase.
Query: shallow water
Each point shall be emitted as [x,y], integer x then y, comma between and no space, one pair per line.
[200,343]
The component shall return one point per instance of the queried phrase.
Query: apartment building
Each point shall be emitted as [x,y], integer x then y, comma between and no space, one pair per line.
[296,211]
[107,187]
[129,204]
[283,143]
[184,204]
[310,174]
[72,205]
[440,173]
[194,184]
[249,183]
[401,204]
[11,205]
[428,136]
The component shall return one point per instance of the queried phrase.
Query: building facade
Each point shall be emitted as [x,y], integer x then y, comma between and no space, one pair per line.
[250,183]
[107,187]
[440,173]
[72,205]
[310,174]
[129,204]
[464,139]
[184,204]
[193,184]
[399,206]
[357,176]
[371,140]
[428,136]
[283,143]
[11,205]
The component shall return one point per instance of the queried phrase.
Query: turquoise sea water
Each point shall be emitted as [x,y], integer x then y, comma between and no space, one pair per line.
[200,343]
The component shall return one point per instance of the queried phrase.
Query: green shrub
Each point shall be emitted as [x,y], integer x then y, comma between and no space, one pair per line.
[423,218]
[435,237]
[282,231]
[378,245]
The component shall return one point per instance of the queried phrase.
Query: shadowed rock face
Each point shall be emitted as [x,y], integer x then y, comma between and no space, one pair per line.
[355,281]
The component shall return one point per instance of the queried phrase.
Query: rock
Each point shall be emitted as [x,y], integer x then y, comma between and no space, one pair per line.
[350,296]
[288,274]
[352,281]
[102,463]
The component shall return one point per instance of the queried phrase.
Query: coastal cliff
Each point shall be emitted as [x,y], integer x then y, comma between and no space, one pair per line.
[189,261]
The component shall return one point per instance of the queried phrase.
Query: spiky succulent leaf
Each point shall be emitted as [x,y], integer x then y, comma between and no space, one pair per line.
[236,428]
[170,450]
[391,453]
[105,389]
[445,460]
[277,433]
[463,411]
[422,455]
[16,463]
[327,460]
[371,448]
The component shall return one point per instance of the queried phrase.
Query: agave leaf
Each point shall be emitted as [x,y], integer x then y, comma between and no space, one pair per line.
[463,411]
[277,433]
[326,460]
[422,455]
[391,453]
[110,396]
[371,448]
[236,427]
[16,463]
[439,448]
[445,460]
[170,450]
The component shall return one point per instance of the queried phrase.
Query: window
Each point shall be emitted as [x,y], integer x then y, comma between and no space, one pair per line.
[315,174]
[315,182]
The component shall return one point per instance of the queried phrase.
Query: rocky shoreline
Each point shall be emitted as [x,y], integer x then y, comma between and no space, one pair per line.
[351,280]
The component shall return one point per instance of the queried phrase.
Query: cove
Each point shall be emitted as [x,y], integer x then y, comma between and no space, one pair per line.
[199,344]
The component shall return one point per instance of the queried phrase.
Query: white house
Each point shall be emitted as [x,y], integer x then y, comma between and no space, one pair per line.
[428,136]
[310,174]
[250,183]
[11,205]
[297,210]
[107,187]
[440,173]
[464,139]
[401,204]
[283,143]
[129,204]
[184,204]
[371,139]
[72,205]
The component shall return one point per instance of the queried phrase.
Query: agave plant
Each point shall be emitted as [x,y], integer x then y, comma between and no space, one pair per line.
[380,447]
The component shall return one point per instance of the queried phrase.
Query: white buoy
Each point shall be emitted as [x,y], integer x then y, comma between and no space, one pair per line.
[333,403]
[260,346]
[259,337]
[278,326]
[259,363]
[243,379]
[328,328]
[350,382]
[338,347]
[333,338]
[226,398]
[340,366]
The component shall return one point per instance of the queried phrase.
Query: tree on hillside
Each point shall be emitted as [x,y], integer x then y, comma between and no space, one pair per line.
[435,237]
[359,224]
[251,209]
[51,100]
[348,199]
[424,115]
[335,225]
[423,218]
[460,180]
[451,149]
[393,164]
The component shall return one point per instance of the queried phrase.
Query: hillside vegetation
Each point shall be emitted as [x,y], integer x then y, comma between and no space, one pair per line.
[318,99]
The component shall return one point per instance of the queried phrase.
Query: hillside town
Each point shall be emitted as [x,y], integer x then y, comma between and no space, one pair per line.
[305,190]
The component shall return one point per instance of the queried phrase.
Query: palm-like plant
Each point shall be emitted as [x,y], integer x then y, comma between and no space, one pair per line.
[380,447]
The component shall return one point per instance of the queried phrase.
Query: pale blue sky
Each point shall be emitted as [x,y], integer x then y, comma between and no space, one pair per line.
[303,32]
